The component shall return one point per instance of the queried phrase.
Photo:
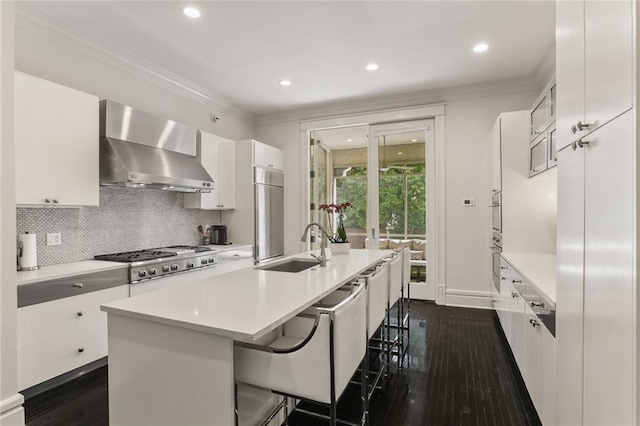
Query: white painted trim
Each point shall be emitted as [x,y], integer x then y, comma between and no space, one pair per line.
[469,299]
[410,99]
[437,272]
[14,417]
[30,20]
[9,404]
[422,291]
[374,117]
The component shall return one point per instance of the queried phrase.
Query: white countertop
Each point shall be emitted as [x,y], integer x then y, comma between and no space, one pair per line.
[248,303]
[67,270]
[538,269]
[232,246]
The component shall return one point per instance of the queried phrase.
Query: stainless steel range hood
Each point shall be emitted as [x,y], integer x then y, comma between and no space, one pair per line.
[141,150]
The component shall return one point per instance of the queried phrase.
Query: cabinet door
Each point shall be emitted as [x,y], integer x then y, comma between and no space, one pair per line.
[518,328]
[530,370]
[56,133]
[496,158]
[267,156]
[552,151]
[539,116]
[210,159]
[570,285]
[569,68]
[546,384]
[609,317]
[608,59]
[538,155]
[227,175]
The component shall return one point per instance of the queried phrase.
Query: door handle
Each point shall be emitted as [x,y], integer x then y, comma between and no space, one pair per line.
[534,323]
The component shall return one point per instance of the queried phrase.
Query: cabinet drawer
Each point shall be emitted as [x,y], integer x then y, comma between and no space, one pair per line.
[46,321]
[234,255]
[43,361]
[45,291]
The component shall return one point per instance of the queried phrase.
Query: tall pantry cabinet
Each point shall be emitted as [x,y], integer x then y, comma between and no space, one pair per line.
[597,214]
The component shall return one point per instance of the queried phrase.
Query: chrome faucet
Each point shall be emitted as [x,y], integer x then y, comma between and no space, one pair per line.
[323,246]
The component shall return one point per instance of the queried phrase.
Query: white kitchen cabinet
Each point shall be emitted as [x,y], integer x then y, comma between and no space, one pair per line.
[570,288]
[267,156]
[538,154]
[530,368]
[56,133]
[545,399]
[496,158]
[218,156]
[594,65]
[596,297]
[61,335]
[518,323]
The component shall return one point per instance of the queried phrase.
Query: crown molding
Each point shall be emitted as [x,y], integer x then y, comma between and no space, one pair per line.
[405,100]
[37,23]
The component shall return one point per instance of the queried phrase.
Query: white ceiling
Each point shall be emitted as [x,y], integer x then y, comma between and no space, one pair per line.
[240,50]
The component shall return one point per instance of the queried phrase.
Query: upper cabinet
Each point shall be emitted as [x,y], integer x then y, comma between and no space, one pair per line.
[594,65]
[218,156]
[496,158]
[267,156]
[56,149]
[543,111]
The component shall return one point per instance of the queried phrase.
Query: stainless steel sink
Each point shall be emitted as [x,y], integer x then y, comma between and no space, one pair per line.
[291,265]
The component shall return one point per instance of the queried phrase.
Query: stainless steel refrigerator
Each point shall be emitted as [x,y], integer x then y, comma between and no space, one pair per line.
[268,190]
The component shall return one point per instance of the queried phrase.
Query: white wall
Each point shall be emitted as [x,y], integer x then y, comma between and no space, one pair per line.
[468,126]
[47,54]
[11,412]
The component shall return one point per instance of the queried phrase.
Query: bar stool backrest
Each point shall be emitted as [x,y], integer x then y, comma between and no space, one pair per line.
[406,266]
[395,278]
[377,288]
[349,337]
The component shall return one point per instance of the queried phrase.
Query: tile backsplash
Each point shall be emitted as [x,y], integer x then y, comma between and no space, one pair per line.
[127,219]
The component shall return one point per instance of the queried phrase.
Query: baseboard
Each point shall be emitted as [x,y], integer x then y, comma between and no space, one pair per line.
[469,299]
[422,291]
[11,411]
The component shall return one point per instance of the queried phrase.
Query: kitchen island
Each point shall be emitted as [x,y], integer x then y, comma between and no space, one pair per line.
[171,351]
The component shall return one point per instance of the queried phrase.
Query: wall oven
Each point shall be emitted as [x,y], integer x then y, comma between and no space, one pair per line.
[496,211]
[496,249]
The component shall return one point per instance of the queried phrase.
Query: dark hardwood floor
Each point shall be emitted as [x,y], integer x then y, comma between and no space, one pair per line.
[459,371]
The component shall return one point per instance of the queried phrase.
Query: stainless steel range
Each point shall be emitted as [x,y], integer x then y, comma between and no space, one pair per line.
[155,263]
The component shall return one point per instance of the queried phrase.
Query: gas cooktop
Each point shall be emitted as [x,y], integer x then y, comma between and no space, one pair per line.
[162,261]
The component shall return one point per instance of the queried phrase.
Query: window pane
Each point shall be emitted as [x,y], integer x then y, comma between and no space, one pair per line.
[416,204]
[391,202]
[354,191]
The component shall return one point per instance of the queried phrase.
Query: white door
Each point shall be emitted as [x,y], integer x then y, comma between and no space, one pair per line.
[401,157]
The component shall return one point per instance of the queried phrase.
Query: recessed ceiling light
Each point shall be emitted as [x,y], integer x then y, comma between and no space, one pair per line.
[400,153]
[372,67]
[349,140]
[191,12]
[414,140]
[285,83]
[480,47]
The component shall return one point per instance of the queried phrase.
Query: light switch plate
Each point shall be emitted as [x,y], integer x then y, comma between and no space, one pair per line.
[54,239]
[468,202]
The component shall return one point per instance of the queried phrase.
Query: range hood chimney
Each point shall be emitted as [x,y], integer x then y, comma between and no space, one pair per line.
[141,150]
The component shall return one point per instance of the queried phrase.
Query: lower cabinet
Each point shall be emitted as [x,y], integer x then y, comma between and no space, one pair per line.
[532,344]
[61,335]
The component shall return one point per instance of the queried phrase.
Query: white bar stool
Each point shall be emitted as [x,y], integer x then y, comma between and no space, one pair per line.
[393,296]
[315,358]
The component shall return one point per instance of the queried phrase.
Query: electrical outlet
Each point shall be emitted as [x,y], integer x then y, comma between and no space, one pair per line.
[468,202]
[54,239]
